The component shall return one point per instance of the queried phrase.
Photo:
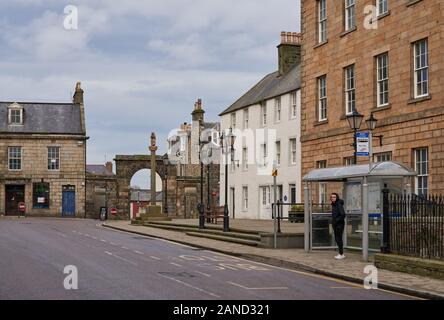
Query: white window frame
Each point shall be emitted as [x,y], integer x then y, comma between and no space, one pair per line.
[422,177]
[277,110]
[293,146]
[350,89]
[245,198]
[266,196]
[421,68]
[350,14]
[263,114]
[246,118]
[322,21]
[54,154]
[322,100]
[15,154]
[12,117]
[233,120]
[383,156]
[381,7]
[264,154]
[245,159]
[382,80]
[294,105]
[278,153]
[349,161]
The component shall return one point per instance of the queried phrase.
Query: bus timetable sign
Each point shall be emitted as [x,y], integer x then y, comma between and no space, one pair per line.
[363,144]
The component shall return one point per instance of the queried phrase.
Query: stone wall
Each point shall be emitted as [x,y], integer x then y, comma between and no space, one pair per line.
[101,191]
[35,169]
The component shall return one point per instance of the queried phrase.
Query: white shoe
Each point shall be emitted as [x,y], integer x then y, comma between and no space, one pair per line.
[340,257]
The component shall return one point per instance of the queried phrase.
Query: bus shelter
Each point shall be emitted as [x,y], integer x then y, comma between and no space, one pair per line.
[361,188]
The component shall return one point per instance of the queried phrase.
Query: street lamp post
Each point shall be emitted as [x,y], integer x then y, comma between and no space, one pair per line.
[355,120]
[201,206]
[227,145]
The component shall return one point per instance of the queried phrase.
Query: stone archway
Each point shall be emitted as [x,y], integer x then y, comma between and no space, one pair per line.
[126,167]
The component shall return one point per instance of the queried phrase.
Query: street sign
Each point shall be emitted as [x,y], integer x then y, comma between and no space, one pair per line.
[275,173]
[363,144]
[22,207]
[113,211]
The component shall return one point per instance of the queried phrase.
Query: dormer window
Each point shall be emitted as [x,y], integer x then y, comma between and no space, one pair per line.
[15,115]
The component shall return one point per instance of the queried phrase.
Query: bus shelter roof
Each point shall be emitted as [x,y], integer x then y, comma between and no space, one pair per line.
[389,169]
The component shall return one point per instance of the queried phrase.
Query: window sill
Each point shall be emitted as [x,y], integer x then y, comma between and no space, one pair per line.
[382,16]
[320,44]
[420,99]
[377,109]
[412,2]
[320,123]
[346,32]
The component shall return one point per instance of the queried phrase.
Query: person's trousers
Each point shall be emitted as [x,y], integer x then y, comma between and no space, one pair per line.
[338,229]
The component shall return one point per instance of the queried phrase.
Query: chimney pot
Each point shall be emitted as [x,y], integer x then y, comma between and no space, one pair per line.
[109,166]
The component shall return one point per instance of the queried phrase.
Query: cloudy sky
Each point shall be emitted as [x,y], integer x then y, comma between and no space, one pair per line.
[142,63]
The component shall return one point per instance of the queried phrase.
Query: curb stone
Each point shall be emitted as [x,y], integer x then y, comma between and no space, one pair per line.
[293,265]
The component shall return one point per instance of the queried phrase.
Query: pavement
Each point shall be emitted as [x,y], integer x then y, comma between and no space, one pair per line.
[318,262]
[121,265]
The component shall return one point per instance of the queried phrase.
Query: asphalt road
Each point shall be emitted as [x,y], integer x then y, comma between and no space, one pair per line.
[116,265]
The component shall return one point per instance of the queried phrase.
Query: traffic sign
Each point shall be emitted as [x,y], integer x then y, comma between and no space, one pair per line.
[113,211]
[275,173]
[363,144]
[22,207]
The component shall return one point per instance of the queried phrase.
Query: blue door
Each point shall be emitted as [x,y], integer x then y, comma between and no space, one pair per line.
[69,201]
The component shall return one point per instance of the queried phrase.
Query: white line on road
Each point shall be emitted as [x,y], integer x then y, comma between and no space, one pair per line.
[102,240]
[124,248]
[265,288]
[120,258]
[155,258]
[176,264]
[191,286]
[204,274]
[113,244]
[138,252]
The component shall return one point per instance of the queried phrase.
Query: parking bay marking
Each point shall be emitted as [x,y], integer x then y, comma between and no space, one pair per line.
[264,288]
[190,286]
[120,258]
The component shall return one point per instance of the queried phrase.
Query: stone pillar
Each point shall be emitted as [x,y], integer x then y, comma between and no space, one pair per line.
[153,148]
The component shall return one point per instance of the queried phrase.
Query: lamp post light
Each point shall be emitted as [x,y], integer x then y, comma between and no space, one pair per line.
[355,120]
[227,145]
[201,206]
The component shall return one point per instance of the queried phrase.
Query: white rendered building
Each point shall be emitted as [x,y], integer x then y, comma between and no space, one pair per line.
[266,122]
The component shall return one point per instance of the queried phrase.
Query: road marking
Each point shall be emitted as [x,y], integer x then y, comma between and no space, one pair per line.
[94,238]
[354,288]
[120,258]
[190,286]
[204,274]
[62,235]
[113,244]
[155,258]
[87,235]
[103,240]
[138,252]
[265,288]
[176,264]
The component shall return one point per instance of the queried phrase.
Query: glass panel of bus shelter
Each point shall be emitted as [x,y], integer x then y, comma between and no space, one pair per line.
[322,231]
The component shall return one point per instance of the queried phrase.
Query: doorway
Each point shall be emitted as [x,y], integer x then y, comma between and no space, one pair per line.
[14,194]
[69,201]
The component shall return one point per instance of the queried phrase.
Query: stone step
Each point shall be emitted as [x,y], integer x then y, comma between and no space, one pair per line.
[247,236]
[224,238]
[207,227]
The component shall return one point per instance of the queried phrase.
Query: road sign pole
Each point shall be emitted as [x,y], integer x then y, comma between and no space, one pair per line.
[274,208]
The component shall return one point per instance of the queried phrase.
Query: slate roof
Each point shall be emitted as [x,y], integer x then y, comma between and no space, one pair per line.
[98,169]
[269,87]
[44,118]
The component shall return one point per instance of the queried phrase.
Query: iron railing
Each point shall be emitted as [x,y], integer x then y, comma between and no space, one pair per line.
[413,225]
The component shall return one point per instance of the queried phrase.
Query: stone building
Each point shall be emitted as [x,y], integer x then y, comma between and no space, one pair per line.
[101,189]
[387,62]
[42,157]
[266,123]
[183,154]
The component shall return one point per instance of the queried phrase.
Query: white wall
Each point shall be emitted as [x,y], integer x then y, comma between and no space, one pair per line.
[252,178]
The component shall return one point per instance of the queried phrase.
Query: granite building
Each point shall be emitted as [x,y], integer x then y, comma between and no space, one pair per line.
[380,57]
[42,157]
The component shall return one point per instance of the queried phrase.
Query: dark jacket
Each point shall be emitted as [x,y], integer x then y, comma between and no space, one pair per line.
[338,212]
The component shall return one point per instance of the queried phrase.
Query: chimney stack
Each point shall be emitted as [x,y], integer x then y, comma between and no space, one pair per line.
[109,166]
[198,113]
[289,51]
[78,95]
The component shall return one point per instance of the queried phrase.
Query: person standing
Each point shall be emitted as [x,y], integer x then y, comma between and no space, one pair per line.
[338,221]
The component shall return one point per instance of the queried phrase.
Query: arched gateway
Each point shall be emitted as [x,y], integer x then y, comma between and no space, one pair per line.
[126,167]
